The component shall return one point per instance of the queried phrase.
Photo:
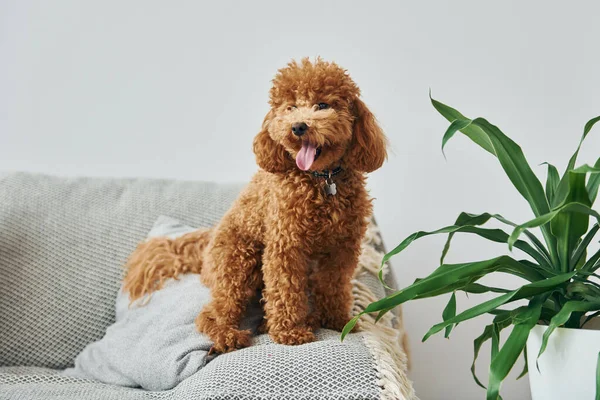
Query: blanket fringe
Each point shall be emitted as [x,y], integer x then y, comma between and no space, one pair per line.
[384,340]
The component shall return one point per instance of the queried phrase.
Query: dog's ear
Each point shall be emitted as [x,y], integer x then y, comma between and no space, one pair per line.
[368,147]
[270,156]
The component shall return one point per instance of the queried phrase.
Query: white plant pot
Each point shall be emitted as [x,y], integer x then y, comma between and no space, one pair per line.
[567,369]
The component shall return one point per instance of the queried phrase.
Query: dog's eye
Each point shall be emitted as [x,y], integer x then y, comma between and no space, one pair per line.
[290,108]
[323,106]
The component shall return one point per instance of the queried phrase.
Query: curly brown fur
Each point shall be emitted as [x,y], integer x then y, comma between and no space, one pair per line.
[158,259]
[284,235]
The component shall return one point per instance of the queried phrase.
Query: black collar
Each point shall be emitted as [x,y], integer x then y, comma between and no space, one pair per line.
[326,173]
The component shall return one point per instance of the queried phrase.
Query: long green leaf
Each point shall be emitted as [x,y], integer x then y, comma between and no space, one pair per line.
[592,263]
[583,290]
[551,182]
[448,274]
[588,126]
[459,284]
[406,242]
[586,169]
[448,278]
[495,347]
[536,242]
[499,236]
[399,248]
[547,309]
[459,124]
[523,292]
[503,362]
[536,267]
[449,312]
[462,220]
[474,220]
[568,227]
[586,129]
[544,219]
[518,170]
[598,378]
[502,320]
[471,131]
[507,151]
[466,285]
[593,184]
[512,160]
[563,316]
[562,192]
[563,187]
[521,268]
[349,326]
[468,219]
[579,253]
[463,285]
[477,288]
[477,343]
[525,367]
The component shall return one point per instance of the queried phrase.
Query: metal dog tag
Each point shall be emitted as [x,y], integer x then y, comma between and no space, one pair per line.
[330,188]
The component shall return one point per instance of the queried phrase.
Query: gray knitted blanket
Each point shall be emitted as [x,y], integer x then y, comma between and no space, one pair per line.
[62,246]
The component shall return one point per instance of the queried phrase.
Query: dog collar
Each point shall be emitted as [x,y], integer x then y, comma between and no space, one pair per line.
[330,186]
[326,173]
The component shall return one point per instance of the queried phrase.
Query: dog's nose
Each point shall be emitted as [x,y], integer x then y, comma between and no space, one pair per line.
[299,128]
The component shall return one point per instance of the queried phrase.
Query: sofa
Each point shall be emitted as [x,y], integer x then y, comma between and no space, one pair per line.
[63,244]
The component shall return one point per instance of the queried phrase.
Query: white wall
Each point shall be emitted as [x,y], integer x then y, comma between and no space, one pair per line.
[178,89]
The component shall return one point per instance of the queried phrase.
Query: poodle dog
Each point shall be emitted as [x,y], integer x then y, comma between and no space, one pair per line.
[294,233]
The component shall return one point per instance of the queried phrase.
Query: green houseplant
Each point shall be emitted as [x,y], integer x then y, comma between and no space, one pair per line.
[560,289]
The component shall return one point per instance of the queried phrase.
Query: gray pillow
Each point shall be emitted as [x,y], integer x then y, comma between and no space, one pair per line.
[154,343]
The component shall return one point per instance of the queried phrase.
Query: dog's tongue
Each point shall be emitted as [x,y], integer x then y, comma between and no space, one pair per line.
[306,156]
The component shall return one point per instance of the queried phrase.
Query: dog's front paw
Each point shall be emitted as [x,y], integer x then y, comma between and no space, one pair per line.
[229,339]
[225,338]
[294,336]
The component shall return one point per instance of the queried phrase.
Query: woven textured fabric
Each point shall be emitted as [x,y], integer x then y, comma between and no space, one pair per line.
[262,371]
[62,244]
